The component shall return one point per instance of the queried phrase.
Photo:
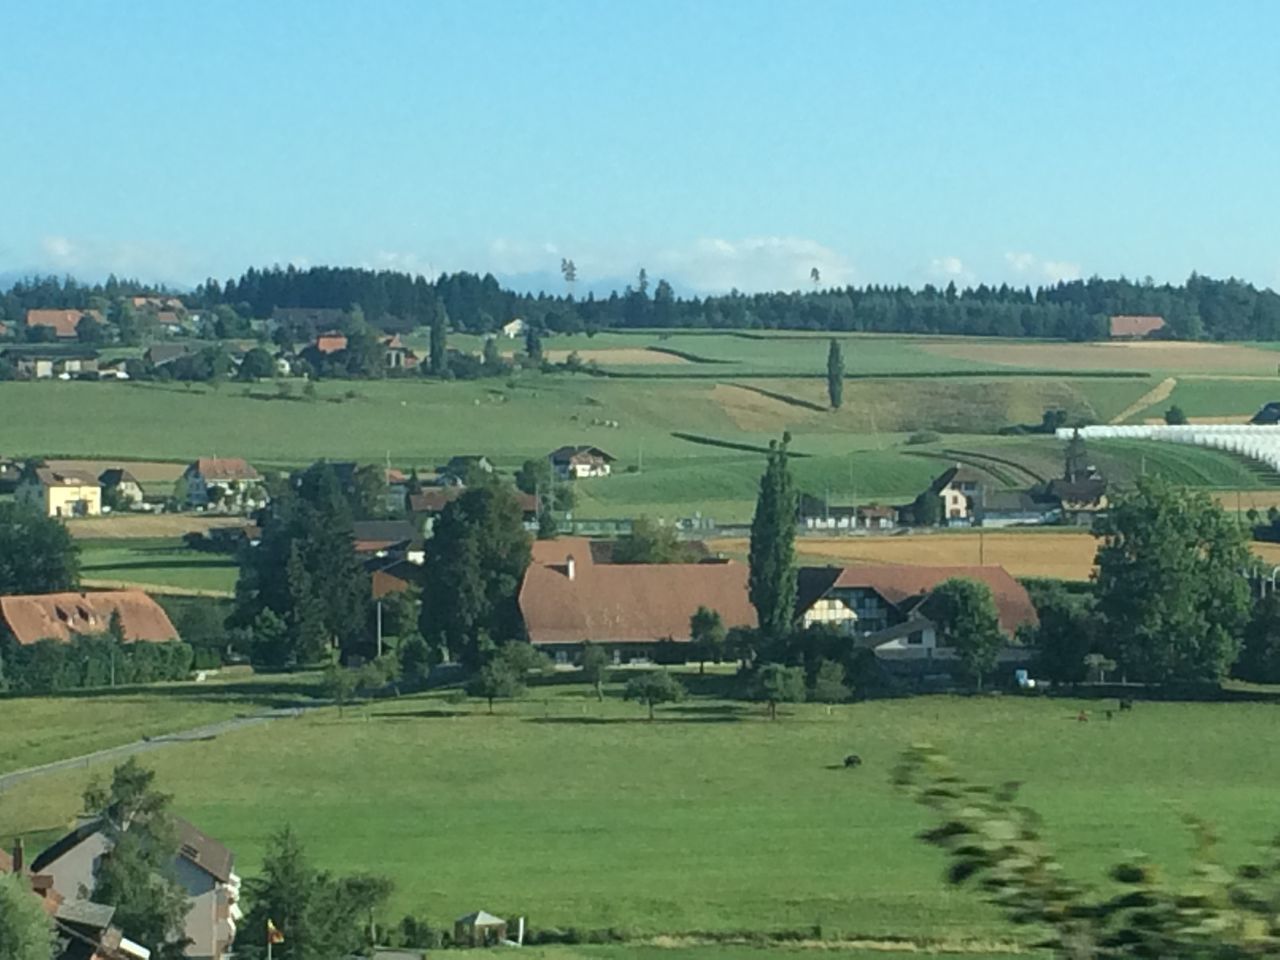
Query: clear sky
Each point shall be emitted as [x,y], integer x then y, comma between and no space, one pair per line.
[718,143]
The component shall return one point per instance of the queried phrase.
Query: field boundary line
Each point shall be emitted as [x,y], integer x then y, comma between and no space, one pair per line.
[1157,394]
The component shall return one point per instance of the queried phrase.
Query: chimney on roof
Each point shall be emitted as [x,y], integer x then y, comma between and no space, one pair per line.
[570,567]
[19,856]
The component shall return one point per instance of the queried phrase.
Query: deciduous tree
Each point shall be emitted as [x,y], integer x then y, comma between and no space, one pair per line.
[964,614]
[653,689]
[595,667]
[37,553]
[1169,584]
[476,558]
[26,932]
[649,542]
[777,683]
[707,633]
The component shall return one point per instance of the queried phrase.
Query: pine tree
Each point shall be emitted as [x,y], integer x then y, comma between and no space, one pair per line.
[772,579]
[835,375]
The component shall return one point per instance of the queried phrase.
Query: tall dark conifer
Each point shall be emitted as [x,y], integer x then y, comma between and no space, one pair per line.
[439,340]
[772,580]
[835,375]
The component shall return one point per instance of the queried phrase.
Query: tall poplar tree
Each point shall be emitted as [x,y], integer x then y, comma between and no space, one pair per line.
[439,340]
[835,374]
[772,579]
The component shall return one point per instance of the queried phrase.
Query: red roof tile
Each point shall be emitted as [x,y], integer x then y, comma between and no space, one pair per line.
[630,603]
[1135,326]
[56,616]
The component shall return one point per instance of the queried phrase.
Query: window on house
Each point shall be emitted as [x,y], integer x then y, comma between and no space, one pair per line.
[916,639]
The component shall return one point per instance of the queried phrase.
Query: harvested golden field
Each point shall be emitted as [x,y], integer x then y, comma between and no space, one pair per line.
[619,356]
[146,472]
[1140,356]
[1061,554]
[141,526]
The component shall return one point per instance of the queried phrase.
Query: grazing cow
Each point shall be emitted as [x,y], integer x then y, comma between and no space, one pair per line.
[853,760]
[1126,705]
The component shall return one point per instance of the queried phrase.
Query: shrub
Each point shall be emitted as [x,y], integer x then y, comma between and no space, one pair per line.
[923,436]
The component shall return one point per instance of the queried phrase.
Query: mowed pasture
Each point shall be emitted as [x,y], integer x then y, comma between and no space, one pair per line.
[711,819]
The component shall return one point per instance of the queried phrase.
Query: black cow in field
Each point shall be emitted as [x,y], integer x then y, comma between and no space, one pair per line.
[853,760]
[1126,705]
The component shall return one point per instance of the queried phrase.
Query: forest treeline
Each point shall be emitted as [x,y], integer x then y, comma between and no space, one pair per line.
[1200,308]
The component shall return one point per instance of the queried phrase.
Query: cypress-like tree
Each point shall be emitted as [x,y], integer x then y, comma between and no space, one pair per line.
[439,340]
[772,579]
[835,374]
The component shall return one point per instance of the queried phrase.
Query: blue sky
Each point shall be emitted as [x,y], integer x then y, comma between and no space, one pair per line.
[719,143]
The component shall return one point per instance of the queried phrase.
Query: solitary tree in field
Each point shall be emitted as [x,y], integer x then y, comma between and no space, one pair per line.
[964,614]
[496,680]
[595,667]
[777,683]
[707,632]
[652,689]
[339,685]
[1174,416]
[772,579]
[26,932]
[835,374]
[439,340]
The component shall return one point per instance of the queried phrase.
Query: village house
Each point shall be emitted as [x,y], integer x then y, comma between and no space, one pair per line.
[1081,491]
[580,461]
[398,356]
[201,865]
[515,328]
[63,323]
[161,354]
[960,489]
[818,516]
[59,492]
[330,342]
[885,606]
[171,304]
[1015,508]
[388,540]
[30,618]
[120,485]
[36,362]
[628,609]
[458,469]
[1135,327]
[230,484]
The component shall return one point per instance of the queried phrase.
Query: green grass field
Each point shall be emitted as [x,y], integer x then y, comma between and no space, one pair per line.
[671,430]
[165,563]
[710,820]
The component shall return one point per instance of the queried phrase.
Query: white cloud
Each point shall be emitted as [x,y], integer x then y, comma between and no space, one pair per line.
[951,269]
[717,265]
[403,262]
[59,250]
[1031,267]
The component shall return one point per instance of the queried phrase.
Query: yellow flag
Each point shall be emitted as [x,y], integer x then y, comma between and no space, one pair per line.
[273,934]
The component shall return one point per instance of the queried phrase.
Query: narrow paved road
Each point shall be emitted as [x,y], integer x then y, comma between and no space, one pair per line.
[208,732]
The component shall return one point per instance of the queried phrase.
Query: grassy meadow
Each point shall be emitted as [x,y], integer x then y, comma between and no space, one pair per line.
[162,563]
[710,820]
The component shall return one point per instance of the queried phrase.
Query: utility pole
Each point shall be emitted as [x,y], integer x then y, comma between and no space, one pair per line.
[379,626]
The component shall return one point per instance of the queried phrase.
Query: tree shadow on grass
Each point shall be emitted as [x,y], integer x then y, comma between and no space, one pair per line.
[709,710]
[664,717]
[258,694]
[404,716]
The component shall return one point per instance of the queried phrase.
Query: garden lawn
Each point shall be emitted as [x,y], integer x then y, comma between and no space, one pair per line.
[163,563]
[711,819]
